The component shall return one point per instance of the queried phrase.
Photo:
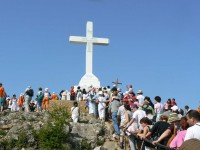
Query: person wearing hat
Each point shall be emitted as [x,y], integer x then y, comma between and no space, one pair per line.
[179,139]
[1,97]
[134,126]
[140,97]
[28,97]
[101,105]
[45,101]
[173,120]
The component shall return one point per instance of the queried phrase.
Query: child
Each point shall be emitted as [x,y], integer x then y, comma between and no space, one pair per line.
[75,112]
[146,124]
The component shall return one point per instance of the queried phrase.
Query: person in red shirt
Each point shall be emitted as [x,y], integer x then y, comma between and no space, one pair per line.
[1,97]
[173,102]
[72,93]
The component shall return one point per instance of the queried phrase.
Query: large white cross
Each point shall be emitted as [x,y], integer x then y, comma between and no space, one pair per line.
[89,40]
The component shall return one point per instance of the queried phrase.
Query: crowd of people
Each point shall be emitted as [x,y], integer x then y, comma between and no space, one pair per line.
[132,114]
[26,101]
[137,117]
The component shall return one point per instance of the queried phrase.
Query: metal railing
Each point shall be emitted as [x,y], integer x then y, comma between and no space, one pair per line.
[156,146]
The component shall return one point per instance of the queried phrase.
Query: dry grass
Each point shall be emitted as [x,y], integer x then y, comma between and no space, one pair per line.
[67,104]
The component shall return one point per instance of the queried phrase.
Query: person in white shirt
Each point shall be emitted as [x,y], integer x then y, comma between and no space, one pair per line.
[134,125]
[140,97]
[75,112]
[158,107]
[14,106]
[193,119]
[101,106]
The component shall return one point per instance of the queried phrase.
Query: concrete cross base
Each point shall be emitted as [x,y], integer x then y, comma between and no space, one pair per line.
[89,79]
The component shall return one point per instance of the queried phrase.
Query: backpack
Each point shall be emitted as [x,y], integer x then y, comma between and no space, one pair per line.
[30,92]
[40,97]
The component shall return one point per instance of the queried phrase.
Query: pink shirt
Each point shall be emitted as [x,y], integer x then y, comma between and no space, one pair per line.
[178,140]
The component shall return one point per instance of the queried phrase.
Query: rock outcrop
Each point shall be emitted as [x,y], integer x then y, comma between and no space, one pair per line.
[89,133]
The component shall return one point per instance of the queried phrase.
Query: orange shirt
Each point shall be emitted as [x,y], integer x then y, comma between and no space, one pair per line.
[1,91]
[54,97]
[20,101]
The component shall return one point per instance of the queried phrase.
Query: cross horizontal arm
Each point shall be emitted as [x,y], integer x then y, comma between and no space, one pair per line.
[78,39]
[100,41]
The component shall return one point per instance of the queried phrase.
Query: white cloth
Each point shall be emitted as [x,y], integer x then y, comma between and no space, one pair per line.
[14,106]
[121,113]
[85,96]
[193,132]
[158,108]
[91,105]
[101,107]
[137,116]
[140,99]
[75,114]
[79,96]
[47,94]
[64,95]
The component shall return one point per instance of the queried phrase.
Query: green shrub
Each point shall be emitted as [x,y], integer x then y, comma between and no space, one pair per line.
[99,142]
[52,135]
[85,145]
[22,141]
[2,132]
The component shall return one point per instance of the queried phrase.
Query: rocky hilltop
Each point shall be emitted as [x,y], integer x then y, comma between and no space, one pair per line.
[53,130]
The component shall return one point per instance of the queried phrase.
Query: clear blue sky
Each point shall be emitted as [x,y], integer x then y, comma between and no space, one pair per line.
[154,45]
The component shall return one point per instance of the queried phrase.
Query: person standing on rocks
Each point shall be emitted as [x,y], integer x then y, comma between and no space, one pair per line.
[72,94]
[113,109]
[40,96]
[14,106]
[101,106]
[28,97]
[54,96]
[45,102]
[75,112]
[20,101]
[1,97]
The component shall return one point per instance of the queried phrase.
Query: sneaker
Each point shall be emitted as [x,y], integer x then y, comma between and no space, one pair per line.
[114,135]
